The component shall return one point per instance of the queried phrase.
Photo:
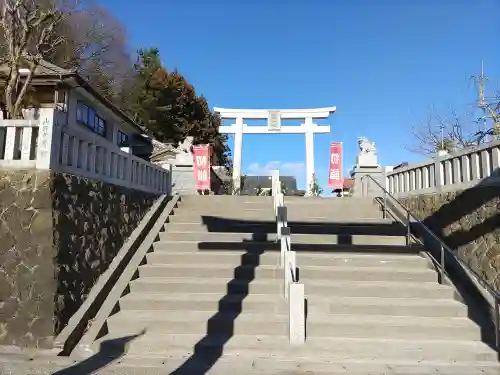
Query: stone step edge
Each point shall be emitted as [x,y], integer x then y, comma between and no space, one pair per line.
[276,341]
[277,298]
[311,283]
[400,321]
[337,255]
[308,268]
[179,354]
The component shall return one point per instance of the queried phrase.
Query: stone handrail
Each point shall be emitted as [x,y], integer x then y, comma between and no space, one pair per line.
[457,171]
[18,141]
[86,154]
[293,291]
[41,145]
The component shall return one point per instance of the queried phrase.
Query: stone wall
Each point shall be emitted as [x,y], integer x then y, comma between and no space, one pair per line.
[27,286]
[468,221]
[58,234]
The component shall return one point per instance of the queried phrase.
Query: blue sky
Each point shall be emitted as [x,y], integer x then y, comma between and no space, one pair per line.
[383,63]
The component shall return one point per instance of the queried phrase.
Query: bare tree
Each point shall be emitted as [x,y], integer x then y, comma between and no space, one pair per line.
[489,107]
[28,33]
[95,44]
[442,133]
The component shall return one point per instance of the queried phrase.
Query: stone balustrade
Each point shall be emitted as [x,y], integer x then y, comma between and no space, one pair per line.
[461,170]
[43,144]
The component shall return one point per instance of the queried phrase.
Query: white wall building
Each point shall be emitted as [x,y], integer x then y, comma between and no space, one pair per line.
[69,127]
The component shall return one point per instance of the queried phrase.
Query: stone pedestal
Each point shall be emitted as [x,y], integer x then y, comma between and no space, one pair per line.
[366,187]
[367,160]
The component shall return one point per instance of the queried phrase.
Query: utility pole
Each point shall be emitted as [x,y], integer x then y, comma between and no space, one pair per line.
[482,105]
[442,136]
[482,79]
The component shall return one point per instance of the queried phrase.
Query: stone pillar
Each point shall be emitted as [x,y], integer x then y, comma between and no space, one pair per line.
[309,155]
[48,140]
[238,145]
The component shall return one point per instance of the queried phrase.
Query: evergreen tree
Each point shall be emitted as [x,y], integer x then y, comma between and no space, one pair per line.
[166,105]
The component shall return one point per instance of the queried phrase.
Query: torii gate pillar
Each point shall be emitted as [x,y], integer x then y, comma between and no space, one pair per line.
[308,128]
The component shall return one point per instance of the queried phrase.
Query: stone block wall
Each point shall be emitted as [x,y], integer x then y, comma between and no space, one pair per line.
[469,221]
[58,234]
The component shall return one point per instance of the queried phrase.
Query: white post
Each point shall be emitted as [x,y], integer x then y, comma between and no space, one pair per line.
[26,143]
[296,314]
[309,153]
[238,145]
[10,143]
[275,178]
[48,142]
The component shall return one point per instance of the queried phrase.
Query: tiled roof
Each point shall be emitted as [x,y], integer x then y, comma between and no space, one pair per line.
[348,184]
[253,183]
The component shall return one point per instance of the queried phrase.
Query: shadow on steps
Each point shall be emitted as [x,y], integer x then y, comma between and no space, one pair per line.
[347,247]
[110,351]
[210,348]
[219,224]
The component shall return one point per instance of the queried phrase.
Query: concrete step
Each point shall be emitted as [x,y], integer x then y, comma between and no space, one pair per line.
[239,212]
[224,226]
[210,271]
[305,259]
[217,284]
[250,273]
[318,325]
[296,238]
[271,246]
[330,288]
[272,258]
[242,199]
[229,259]
[180,362]
[198,322]
[274,303]
[209,302]
[352,273]
[204,219]
[392,327]
[409,307]
[224,209]
[249,216]
[308,201]
[287,365]
[320,348]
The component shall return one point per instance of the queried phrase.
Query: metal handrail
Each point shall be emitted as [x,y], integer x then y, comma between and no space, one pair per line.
[290,265]
[441,264]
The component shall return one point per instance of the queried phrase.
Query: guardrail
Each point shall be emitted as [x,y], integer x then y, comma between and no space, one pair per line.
[457,171]
[293,291]
[40,144]
[444,250]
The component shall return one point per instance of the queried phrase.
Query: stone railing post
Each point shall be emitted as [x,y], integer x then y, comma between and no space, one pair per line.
[48,141]
[296,314]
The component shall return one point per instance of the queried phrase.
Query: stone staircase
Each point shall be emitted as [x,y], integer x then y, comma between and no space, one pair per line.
[209,297]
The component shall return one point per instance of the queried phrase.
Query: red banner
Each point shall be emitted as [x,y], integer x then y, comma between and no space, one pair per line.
[201,154]
[335,179]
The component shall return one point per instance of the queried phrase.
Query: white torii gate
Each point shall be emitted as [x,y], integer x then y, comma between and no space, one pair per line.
[309,128]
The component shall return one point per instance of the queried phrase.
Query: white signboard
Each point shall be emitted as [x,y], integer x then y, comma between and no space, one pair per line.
[274,121]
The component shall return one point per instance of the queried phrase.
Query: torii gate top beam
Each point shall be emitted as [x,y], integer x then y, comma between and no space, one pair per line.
[257,114]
